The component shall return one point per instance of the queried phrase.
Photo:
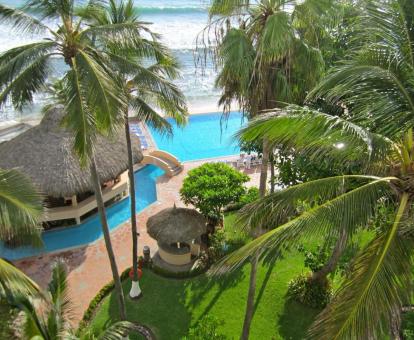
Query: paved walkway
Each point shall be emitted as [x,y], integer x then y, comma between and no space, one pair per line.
[88,266]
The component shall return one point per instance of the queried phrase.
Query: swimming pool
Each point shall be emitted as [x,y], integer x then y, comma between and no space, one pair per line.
[203,137]
[90,229]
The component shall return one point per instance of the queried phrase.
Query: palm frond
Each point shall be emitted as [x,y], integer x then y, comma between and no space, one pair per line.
[14,283]
[20,209]
[51,9]
[276,37]
[104,94]
[318,135]
[21,21]
[348,210]
[275,208]
[376,290]
[118,331]
[150,116]
[59,291]
[79,117]
[228,7]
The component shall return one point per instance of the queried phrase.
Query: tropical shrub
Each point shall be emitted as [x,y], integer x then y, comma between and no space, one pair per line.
[312,293]
[206,329]
[211,187]
[251,195]
[315,260]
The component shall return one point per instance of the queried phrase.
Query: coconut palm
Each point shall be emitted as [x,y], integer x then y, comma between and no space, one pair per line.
[376,82]
[93,94]
[263,62]
[20,209]
[49,317]
[379,283]
[147,73]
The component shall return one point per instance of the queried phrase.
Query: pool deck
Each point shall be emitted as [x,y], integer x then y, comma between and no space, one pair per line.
[88,266]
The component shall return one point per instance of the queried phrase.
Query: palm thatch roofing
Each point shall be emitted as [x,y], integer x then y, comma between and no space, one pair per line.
[174,224]
[45,154]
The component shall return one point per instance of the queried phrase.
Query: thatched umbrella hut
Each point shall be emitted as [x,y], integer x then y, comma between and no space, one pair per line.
[45,154]
[177,231]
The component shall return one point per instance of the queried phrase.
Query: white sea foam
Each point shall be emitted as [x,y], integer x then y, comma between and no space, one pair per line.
[178,21]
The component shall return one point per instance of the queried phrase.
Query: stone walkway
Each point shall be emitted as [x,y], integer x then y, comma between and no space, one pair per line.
[88,266]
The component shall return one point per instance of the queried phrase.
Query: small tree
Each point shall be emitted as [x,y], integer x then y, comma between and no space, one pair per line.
[211,187]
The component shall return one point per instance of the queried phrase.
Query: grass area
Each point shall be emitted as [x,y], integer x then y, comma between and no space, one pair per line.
[170,307]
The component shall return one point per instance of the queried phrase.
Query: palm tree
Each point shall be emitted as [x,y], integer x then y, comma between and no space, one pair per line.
[263,62]
[92,90]
[49,317]
[380,281]
[20,209]
[146,72]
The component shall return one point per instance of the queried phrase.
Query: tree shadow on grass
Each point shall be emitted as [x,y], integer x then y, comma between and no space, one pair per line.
[205,283]
[161,308]
[271,265]
[296,320]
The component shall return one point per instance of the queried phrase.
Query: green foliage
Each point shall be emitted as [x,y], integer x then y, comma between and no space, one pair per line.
[315,294]
[206,329]
[295,167]
[263,59]
[211,187]
[407,326]
[315,260]
[251,195]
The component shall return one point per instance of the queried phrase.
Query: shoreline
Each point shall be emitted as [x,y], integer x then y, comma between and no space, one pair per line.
[193,109]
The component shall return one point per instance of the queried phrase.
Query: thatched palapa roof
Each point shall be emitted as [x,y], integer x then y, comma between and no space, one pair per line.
[45,154]
[173,225]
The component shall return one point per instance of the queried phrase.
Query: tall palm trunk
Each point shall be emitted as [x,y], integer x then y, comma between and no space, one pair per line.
[248,316]
[107,237]
[264,168]
[134,228]
[272,172]
[330,266]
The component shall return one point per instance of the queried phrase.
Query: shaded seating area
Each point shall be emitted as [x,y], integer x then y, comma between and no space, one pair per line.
[45,154]
[178,232]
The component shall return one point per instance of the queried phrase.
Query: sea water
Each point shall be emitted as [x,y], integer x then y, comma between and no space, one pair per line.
[178,21]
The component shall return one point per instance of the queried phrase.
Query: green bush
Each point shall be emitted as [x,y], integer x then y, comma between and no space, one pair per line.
[206,329]
[251,195]
[315,294]
[211,187]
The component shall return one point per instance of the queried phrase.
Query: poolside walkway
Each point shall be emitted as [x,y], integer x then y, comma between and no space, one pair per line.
[88,266]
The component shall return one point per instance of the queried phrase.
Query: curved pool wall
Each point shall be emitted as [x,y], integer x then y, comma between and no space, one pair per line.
[90,230]
[205,136]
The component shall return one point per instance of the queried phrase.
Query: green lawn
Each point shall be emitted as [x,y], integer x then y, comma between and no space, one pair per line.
[170,307]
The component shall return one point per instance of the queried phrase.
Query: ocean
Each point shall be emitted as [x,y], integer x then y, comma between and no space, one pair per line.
[178,21]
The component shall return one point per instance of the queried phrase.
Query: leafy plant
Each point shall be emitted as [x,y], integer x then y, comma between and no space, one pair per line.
[211,187]
[315,260]
[315,294]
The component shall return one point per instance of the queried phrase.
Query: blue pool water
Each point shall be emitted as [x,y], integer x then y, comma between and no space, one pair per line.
[203,137]
[90,230]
